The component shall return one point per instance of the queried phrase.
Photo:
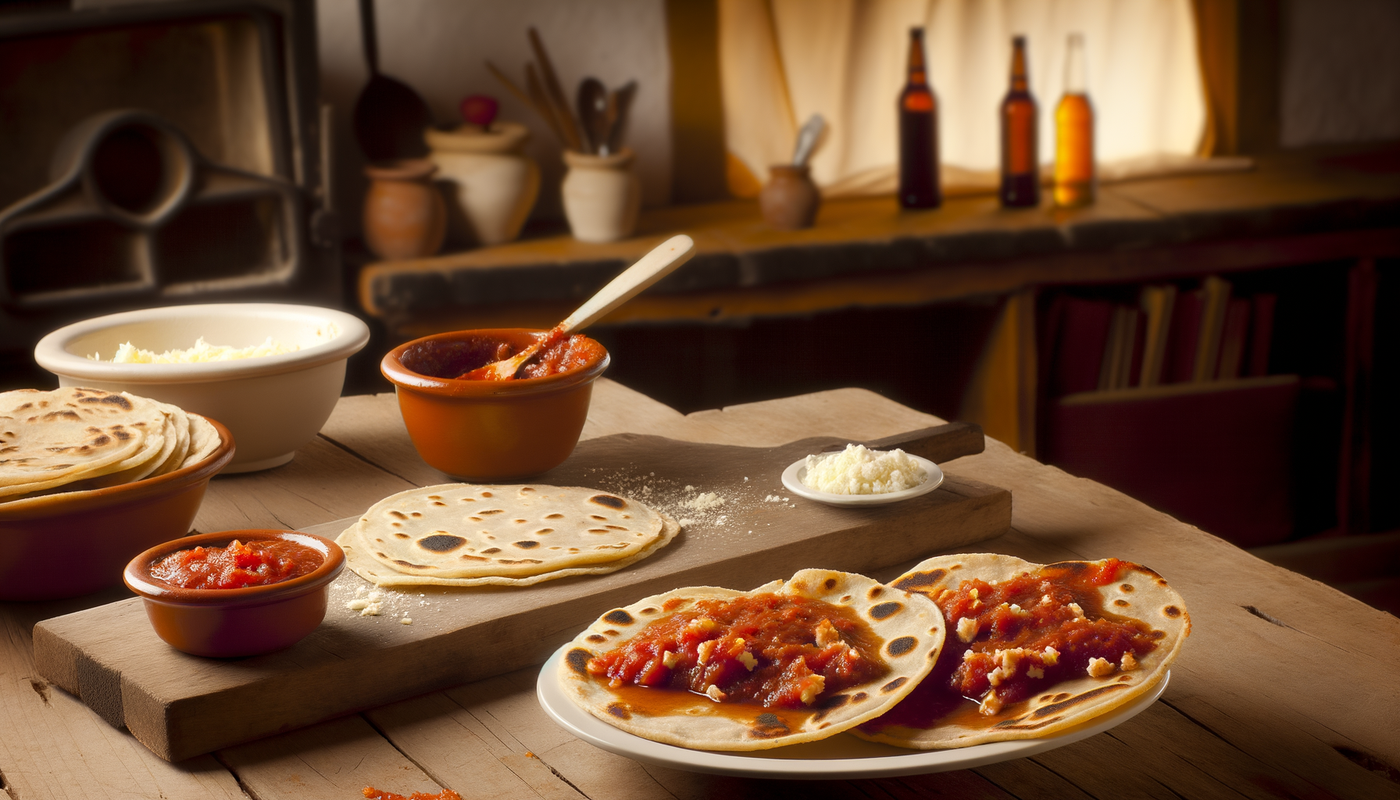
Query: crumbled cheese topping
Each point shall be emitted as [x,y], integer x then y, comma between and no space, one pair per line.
[859,470]
[967,629]
[1100,667]
[713,692]
[369,605]
[1128,663]
[826,633]
[703,501]
[746,658]
[127,353]
[812,685]
[704,649]
[671,659]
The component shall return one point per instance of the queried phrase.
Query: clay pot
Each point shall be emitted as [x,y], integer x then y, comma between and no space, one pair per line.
[492,184]
[602,196]
[790,199]
[404,214]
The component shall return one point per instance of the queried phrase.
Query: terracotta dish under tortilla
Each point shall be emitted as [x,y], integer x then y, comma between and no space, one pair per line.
[75,543]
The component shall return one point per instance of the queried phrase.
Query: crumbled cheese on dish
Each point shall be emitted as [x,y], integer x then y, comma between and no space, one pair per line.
[1100,667]
[826,633]
[812,686]
[406,621]
[1035,672]
[1050,656]
[859,470]
[704,649]
[746,658]
[713,692]
[990,704]
[1078,612]
[701,625]
[1016,610]
[127,353]
[671,659]
[1128,663]
[967,628]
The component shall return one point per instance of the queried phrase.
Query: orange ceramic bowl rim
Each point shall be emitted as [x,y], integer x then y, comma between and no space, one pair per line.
[137,575]
[49,505]
[393,368]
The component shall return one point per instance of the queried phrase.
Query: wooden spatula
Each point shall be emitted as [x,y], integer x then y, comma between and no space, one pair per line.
[651,268]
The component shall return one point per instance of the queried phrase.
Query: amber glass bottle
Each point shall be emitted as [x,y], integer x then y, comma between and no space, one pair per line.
[918,133]
[1020,151]
[1074,133]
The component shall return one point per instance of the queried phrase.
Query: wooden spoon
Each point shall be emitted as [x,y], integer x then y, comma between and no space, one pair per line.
[593,116]
[652,267]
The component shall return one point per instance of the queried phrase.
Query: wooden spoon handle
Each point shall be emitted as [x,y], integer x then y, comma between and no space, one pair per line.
[651,268]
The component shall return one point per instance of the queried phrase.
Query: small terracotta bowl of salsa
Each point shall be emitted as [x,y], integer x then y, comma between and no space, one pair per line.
[236,593]
[494,430]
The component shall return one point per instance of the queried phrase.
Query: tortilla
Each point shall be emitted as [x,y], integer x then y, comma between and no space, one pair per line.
[49,439]
[359,561]
[460,530]
[908,631]
[1136,593]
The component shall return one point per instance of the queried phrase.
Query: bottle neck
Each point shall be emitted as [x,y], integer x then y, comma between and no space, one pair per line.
[1076,80]
[918,72]
[1020,78]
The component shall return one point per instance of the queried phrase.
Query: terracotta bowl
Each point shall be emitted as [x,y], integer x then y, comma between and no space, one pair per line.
[487,430]
[228,623]
[74,543]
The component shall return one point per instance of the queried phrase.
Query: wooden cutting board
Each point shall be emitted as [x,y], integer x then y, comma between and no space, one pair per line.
[181,706]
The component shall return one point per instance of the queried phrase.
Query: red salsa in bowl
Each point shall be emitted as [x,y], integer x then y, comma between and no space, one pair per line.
[236,565]
[236,593]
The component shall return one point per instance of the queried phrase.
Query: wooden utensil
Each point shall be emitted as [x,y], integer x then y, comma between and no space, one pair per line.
[652,267]
[389,117]
[807,139]
[555,92]
[593,115]
[619,104]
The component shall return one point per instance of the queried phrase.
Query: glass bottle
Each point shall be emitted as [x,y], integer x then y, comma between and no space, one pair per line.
[1020,159]
[1074,133]
[918,133]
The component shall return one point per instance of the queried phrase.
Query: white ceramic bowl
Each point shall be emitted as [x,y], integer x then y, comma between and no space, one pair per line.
[272,404]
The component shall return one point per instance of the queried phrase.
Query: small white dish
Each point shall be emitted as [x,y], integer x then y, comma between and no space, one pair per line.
[793,475]
[843,756]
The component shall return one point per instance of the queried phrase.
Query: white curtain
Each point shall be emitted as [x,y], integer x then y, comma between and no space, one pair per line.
[784,60]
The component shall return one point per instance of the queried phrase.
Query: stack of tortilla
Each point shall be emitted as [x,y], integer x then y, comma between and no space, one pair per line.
[473,535]
[75,439]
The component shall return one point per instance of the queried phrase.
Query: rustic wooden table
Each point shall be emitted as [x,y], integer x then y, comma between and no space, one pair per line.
[1285,688]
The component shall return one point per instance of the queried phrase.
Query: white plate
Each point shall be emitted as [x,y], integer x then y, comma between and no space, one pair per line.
[793,475]
[841,756]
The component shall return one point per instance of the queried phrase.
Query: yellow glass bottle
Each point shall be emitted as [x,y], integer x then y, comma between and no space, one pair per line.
[1074,133]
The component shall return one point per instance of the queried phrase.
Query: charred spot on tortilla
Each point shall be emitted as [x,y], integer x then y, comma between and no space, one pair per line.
[1121,603]
[525,544]
[1074,700]
[911,583]
[901,645]
[620,710]
[894,684]
[609,501]
[619,616]
[1126,588]
[577,659]
[1172,611]
[597,638]
[491,550]
[885,610]
[875,592]
[769,725]
[441,542]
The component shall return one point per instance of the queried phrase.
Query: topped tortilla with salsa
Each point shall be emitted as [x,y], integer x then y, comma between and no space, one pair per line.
[791,661]
[1033,649]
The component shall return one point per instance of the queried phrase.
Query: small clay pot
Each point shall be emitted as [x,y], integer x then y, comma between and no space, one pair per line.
[602,196]
[790,199]
[488,431]
[493,183]
[247,621]
[404,215]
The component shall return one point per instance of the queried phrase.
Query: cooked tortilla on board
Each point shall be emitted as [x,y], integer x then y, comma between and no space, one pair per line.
[518,535]
[909,629]
[1137,593]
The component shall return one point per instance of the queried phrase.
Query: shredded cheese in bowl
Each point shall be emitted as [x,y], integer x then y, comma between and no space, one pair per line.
[860,470]
[202,351]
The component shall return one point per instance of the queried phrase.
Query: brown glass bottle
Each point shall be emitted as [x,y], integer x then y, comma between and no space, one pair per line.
[1074,133]
[918,133]
[1020,151]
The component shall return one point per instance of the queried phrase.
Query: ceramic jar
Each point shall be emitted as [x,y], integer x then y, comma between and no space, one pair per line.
[492,184]
[602,195]
[404,214]
[790,199]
